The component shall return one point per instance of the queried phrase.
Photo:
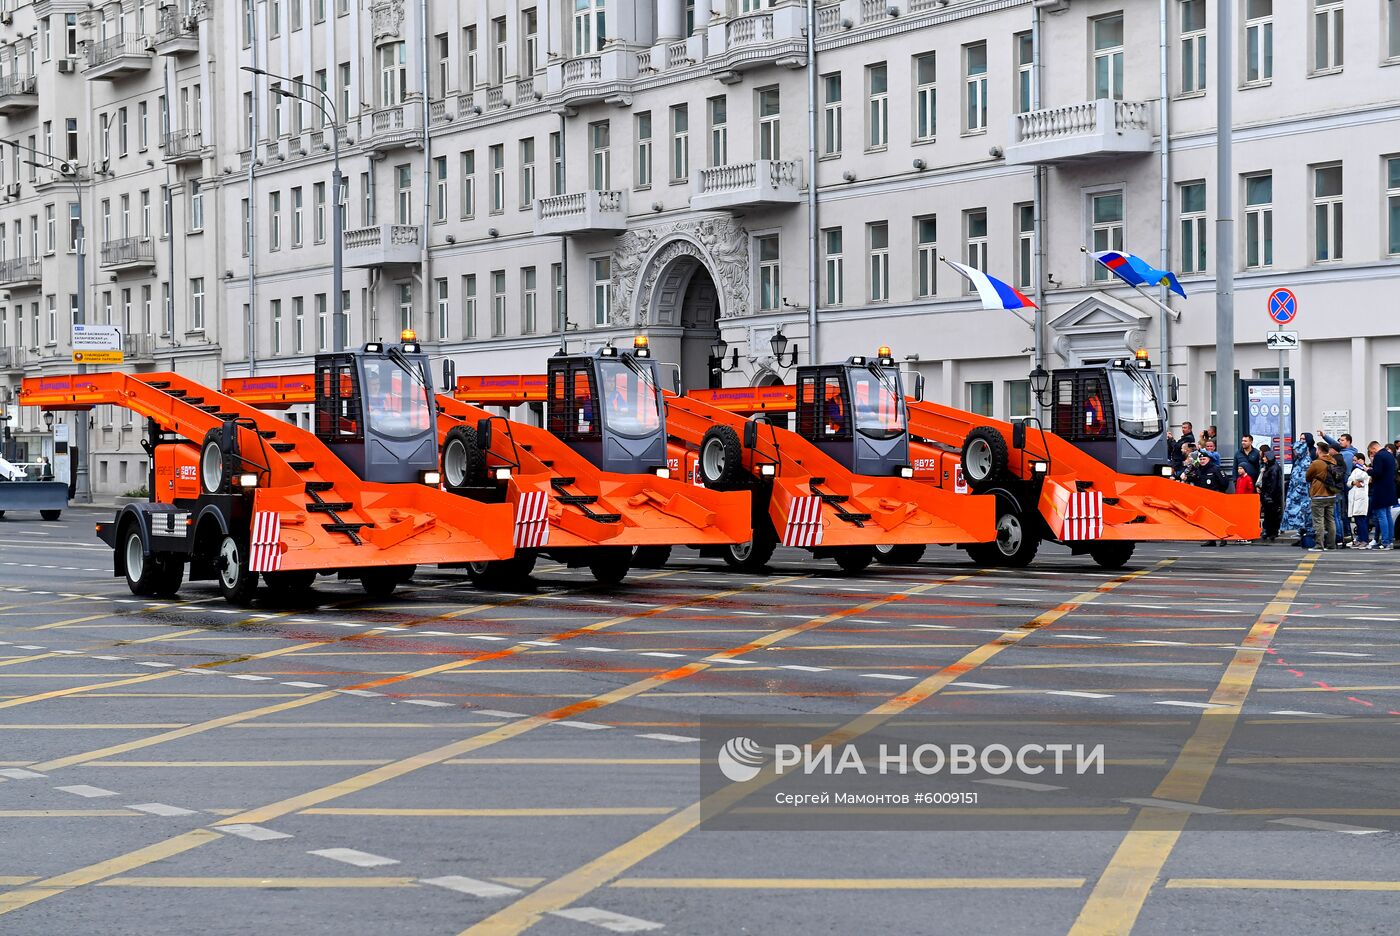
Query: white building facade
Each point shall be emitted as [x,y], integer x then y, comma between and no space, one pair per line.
[714,175]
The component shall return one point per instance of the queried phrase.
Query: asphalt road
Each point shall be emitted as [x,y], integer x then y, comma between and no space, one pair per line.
[463,761]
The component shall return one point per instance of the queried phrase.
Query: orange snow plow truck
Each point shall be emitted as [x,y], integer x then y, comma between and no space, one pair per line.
[237,493]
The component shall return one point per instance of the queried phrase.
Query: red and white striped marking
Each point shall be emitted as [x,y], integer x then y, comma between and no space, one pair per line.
[1084,516]
[804,523]
[266,553]
[532,520]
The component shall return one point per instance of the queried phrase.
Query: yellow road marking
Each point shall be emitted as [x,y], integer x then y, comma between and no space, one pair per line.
[73,690]
[565,890]
[1117,899]
[11,661]
[12,880]
[532,812]
[575,761]
[846,884]
[94,726]
[236,763]
[1280,884]
[70,621]
[91,874]
[50,813]
[131,880]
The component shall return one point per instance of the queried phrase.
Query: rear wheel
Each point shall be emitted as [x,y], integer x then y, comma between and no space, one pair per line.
[237,582]
[905,554]
[141,570]
[651,557]
[288,582]
[1016,543]
[610,564]
[1113,554]
[379,583]
[984,457]
[752,556]
[502,573]
[721,458]
[854,559]
[50,514]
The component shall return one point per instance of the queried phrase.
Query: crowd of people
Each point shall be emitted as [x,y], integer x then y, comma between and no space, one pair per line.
[1335,496]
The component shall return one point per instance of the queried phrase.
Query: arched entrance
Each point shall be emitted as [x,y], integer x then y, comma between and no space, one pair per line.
[685,295]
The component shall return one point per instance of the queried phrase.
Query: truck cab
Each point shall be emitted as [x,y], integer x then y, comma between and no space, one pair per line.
[1114,412]
[375,409]
[607,405]
[854,411]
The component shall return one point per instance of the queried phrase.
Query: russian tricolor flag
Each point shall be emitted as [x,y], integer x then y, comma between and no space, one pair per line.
[994,293]
[1136,271]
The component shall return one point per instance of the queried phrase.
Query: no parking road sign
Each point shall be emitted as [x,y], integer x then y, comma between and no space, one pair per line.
[1283,306]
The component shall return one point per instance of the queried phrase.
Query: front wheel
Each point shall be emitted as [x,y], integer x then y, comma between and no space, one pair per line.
[1112,554]
[1016,543]
[651,557]
[380,583]
[502,574]
[50,514]
[611,564]
[854,559]
[141,570]
[752,556]
[237,582]
[906,554]
[289,582]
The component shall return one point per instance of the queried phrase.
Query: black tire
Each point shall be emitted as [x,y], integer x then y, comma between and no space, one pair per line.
[503,574]
[1113,554]
[906,554]
[380,583]
[288,583]
[610,564]
[2,515]
[984,457]
[237,582]
[651,557]
[721,458]
[50,514]
[753,556]
[142,571]
[213,466]
[172,574]
[1017,539]
[463,461]
[854,559]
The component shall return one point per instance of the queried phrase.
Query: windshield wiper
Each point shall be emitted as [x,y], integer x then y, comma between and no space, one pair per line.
[404,363]
[639,370]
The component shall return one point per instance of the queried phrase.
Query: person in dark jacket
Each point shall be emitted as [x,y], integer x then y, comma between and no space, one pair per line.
[1179,450]
[1382,493]
[1248,458]
[1342,447]
[1208,474]
[1270,492]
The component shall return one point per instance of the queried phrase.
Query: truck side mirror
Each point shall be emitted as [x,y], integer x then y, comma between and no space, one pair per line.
[449,375]
[1173,388]
[919,387]
[1018,434]
[483,434]
[750,434]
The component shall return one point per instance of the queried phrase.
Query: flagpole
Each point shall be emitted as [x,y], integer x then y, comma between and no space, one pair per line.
[1137,287]
[1029,322]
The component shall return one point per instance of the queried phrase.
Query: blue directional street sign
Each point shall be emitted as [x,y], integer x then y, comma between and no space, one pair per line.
[1283,306]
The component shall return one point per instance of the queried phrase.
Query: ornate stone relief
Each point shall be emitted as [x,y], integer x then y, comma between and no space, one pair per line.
[641,256]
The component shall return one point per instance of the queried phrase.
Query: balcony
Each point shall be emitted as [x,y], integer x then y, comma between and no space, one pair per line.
[182,146]
[178,33]
[749,185]
[118,57]
[129,253]
[21,271]
[1090,130]
[18,93]
[581,213]
[11,361]
[775,36]
[394,127]
[605,76]
[138,348]
[383,245]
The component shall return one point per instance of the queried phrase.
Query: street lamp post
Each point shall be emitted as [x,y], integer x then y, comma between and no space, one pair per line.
[337,187]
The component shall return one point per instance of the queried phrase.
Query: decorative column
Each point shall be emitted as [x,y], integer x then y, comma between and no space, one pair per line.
[670,19]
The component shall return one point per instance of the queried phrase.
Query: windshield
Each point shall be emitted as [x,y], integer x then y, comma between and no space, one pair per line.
[1135,397]
[877,403]
[629,396]
[396,401]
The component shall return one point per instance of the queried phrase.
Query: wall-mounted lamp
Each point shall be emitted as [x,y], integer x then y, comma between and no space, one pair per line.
[778,343]
[717,362]
[1040,383]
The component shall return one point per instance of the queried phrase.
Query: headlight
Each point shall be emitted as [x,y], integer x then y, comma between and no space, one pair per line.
[663,472]
[433,478]
[248,480]
[502,474]
[1040,467]
[906,472]
[1166,471]
[768,471]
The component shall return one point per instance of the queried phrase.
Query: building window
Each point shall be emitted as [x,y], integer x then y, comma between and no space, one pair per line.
[877,92]
[719,130]
[468,184]
[469,306]
[1025,73]
[405,306]
[529,300]
[556,160]
[196,304]
[297,217]
[1193,46]
[468,58]
[1193,227]
[498,50]
[318,216]
[600,160]
[769,135]
[276,306]
[556,303]
[403,202]
[439,189]
[1259,221]
[877,236]
[527,172]
[1392,38]
[590,26]
[975,226]
[393,73]
[498,303]
[643,167]
[1392,402]
[1106,216]
[1392,199]
[498,178]
[1018,399]
[1108,57]
[274,221]
[299,306]
[530,43]
[835,267]
[143,125]
[975,78]
[602,290]
[979,397]
[680,143]
[1327,213]
[1025,246]
[925,257]
[831,115]
[769,274]
[444,308]
[50,229]
[1327,35]
[1258,41]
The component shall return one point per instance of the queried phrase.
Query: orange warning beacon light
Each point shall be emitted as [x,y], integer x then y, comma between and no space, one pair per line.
[408,334]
